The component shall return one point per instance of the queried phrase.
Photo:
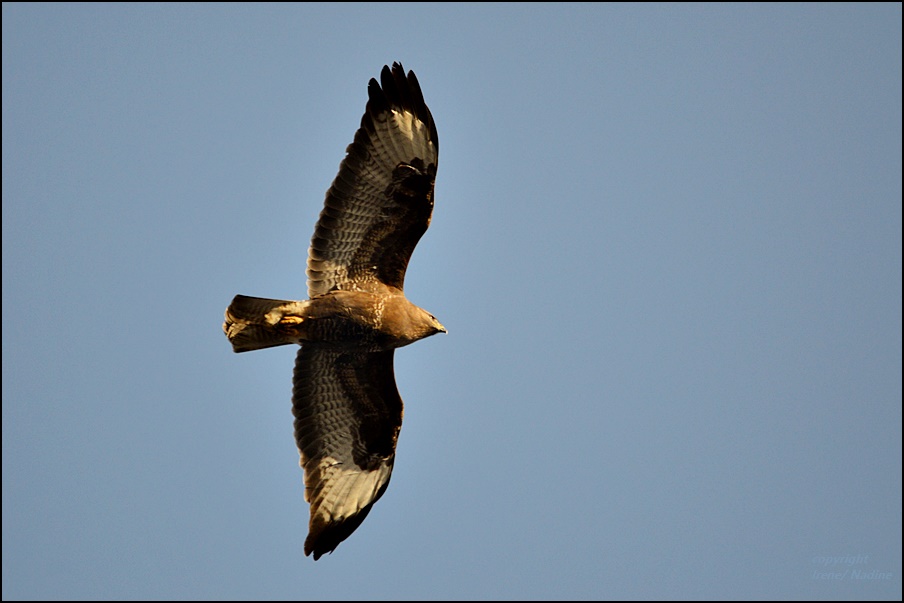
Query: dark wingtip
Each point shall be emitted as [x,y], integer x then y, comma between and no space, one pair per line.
[397,89]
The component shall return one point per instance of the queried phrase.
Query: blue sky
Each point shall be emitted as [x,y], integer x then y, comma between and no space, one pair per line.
[666,245]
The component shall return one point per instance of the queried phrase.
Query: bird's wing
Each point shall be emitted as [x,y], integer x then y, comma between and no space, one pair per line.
[348,414]
[380,203]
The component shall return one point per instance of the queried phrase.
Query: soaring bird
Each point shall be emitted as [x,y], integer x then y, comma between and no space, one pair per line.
[347,407]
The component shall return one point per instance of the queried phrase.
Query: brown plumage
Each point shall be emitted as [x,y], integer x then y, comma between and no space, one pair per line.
[347,408]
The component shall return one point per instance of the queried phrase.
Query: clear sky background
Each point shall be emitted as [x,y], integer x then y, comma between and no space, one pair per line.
[666,245]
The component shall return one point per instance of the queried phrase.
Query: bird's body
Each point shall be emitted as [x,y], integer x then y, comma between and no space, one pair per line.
[347,408]
[351,320]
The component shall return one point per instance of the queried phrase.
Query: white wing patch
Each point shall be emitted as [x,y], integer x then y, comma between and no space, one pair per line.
[343,489]
[415,132]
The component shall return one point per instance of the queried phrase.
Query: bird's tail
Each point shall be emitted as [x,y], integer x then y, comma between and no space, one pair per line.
[255,323]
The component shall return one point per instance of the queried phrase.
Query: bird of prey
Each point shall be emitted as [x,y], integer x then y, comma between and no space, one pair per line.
[347,407]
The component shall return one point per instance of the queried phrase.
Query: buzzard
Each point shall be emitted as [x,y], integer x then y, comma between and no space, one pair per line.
[347,407]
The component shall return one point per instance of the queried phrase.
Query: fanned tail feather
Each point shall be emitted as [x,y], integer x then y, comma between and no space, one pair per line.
[253,323]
